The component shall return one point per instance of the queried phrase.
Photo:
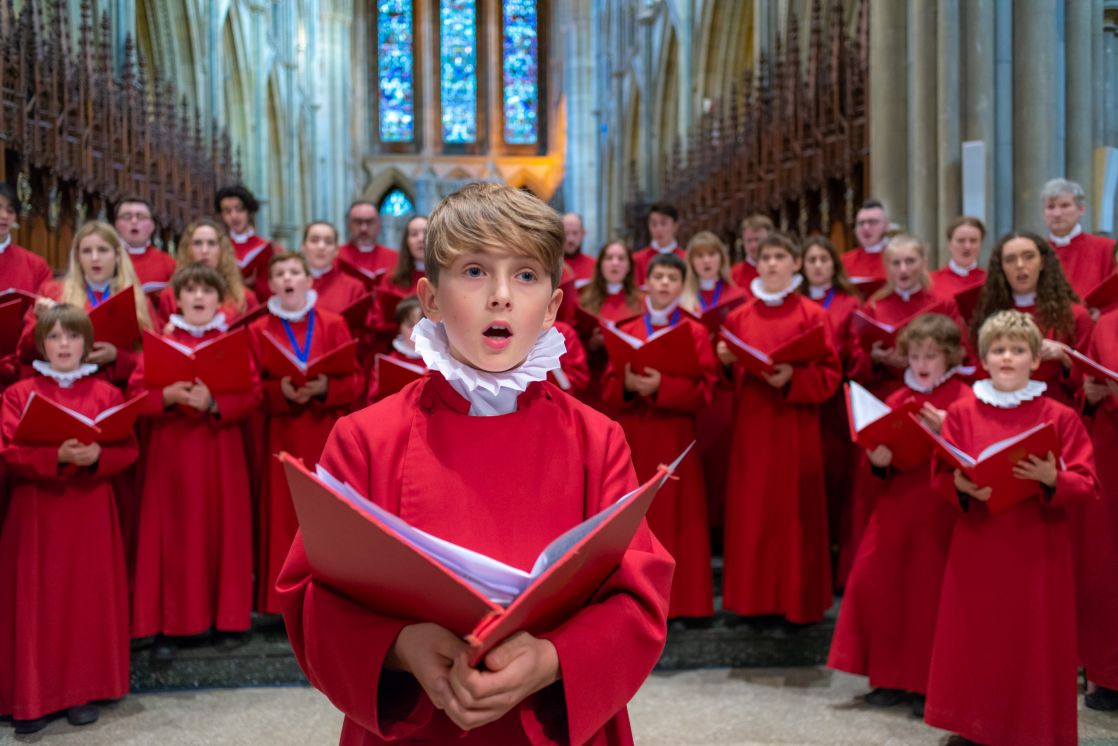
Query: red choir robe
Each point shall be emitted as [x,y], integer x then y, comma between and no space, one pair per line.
[194,548]
[377,259]
[410,453]
[1063,383]
[63,584]
[573,362]
[658,428]
[887,622]
[861,263]
[642,258]
[777,557]
[152,265]
[1095,529]
[22,269]
[743,274]
[337,290]
[413,358]
[168,305]
[1087,260]
[581,265]
[257,280]
[299,429]
[614,308]
[1004,659]
[946,283]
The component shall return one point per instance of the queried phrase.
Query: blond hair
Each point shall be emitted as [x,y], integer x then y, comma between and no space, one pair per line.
[900,242]
[703,241]
[500,218]
[1009,325]
[940,329]
[226,259]
[73,285]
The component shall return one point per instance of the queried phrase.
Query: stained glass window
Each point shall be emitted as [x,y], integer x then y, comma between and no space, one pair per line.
[396,204]
[521,72]
[458,80]
[395,68]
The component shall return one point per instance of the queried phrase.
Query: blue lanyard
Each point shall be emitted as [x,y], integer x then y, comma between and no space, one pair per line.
[830,296]
[648,321]
[304,352]
[95,299]
[713,301]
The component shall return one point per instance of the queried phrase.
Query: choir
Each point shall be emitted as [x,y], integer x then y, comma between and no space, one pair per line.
[973,601]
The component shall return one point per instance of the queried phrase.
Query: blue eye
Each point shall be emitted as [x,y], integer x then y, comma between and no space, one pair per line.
[473,271]
[528,276]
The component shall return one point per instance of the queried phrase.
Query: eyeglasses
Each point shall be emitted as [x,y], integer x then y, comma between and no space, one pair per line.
[129,217]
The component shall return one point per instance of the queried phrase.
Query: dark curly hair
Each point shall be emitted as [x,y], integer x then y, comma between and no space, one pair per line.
[1054,296]
[237,191]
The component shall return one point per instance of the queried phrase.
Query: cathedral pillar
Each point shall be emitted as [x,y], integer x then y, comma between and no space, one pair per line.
[888,98]
[922,121]
[977,85]
[581,45]
[1080,79]
[647,18]
[949,146]
[1037,147]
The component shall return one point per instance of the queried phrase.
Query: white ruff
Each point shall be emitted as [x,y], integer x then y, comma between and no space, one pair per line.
[665,249]
[662,317]
[877,248]
[757,287]
[959,269]
[217,322]
[5,243]
[818,292]
[64,379]
[137,250]
[275,307]
[318,274]
[242,237]
[1065,240]
[613,288]
[912,383]
[984,391]
[708,285]
[489,394]
[1024,300]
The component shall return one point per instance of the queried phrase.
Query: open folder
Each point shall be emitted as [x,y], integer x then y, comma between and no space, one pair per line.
[393,375]
[114,321]
[48,423]
[671,351]
[223,363]
[1089,367]
[278,359]
[714,318]
[803,348]
[1104,295]
[378,560]
[873,423]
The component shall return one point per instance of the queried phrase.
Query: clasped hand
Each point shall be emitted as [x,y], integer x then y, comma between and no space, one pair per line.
[188,393]
[883,355]
[646,384]
[306,392]
[73,452]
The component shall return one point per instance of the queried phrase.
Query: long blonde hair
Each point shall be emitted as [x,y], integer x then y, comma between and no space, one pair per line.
[73,284]
[703,241]
[897,242]
[226,261]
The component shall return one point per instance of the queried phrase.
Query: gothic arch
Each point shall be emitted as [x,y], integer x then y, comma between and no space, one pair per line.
[384,181]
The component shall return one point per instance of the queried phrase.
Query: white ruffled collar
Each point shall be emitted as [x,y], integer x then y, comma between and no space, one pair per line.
[912,383]
[1024,300]
[318,274]
[959,269]
[818,292]
[663,317]
[275,307]
[136,251]
[664,249]
[877,248]
[613,288]
[242,237]
[217,322]
[757,287]
[6,242]
[64,380]
[985,392]
[1065,240]
[489,394]
[708,285]
[401,347]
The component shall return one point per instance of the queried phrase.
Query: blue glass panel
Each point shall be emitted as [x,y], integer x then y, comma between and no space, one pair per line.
[395,68]
[521,72]
[396,203]
[458,81]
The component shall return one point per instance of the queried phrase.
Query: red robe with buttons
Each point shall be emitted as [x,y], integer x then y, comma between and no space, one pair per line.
[1087,260]
[887,622]
[658,428]
[63,586]
[421,456]
[194,549]
[777,556]
[1003,667]
[299,429]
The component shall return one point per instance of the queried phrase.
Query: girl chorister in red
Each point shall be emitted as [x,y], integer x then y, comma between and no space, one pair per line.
[63,585]
[887,622]
[1004,658]
[194,552]
[205,241]
[1026,275]
[964,242]
[299,417]
[657,413]
[401,281]
[335,289]
[777,556]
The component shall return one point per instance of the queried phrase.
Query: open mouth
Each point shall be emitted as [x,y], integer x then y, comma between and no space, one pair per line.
[498,331]
[289,291]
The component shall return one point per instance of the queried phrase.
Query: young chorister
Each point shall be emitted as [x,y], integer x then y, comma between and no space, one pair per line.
[1004,658]
[194,549]
[964,242]
[777,557]
[663,225]
[887,622]
[409,267]
[237,207]
[335,289]
[1026,275]
[132,218]
[658,413]
[408,314]
[485,453]
[63,588]
[20,269]
[206,242]
[752,230]
[300,417]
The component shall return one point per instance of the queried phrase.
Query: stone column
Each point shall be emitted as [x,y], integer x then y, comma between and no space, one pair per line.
[949,175]
[647,18]
[1036,93]
[1080,80]
[888,106]
[684,34]
[922,145]
[579,34]
[1003,116]
[978,92]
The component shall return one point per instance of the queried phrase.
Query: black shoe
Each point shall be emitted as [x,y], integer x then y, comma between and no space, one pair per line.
[884,697]
[83,714]
[1102,699]
[918,705]
[164,649]
[27,727]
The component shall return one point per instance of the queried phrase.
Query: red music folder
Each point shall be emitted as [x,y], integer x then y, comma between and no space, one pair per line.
[867,286]
[11,325]
[369,278]
[388,298]
[1104,295]
[380,561]
[870,330]
[251,262]
[47,423]
[993,467]
[671,351]
[246,318]
[15,295]
[714,318]
[585,322]
[393,374]
[222,363]
[115,322]
[967,301]
[1089,367]
[278,359]
[873,424]
[356,314]
[803,348]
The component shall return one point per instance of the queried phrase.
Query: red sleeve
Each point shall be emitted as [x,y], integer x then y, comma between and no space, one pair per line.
[234,407]
[943,475]
[613,387]
[35,462]
[573,363]
[341,391]
[1075,482]
[815,382]
[683,394]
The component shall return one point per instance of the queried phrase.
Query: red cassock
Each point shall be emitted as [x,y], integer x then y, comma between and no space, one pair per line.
[582,265]
[410,453]
[377,259]
[642,258]
[22,269]
[1087,260]
[63,586]
[573,362]
[777,557]
[1063,384]
[614,308]
[887,622]
[168,305]
[194,549]
[946,283]
[337,290]
[299,429]
[1004,660]
[373,392]
[743,273]
[1095,529]
[258,280]
[861,263]
[658,428]
[152,265]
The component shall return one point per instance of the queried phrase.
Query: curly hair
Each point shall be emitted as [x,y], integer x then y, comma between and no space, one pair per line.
[1054,296]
